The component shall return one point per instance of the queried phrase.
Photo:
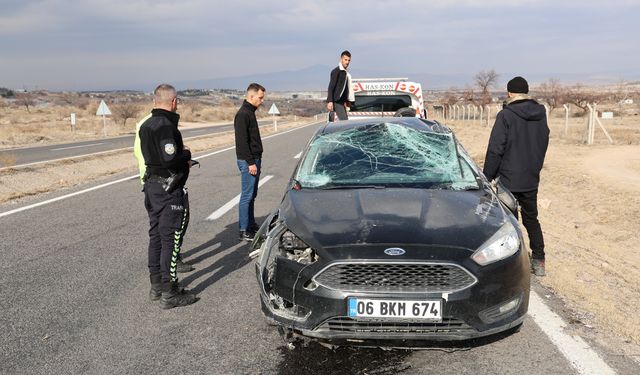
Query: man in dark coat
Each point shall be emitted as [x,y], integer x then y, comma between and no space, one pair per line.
[515,154]
[339,94]
[249,158]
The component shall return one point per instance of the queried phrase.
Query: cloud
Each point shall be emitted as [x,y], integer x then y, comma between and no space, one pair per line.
[383,36]
[18,18]
[125,40]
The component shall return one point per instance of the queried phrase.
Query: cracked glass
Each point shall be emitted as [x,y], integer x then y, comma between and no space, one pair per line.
[385,155]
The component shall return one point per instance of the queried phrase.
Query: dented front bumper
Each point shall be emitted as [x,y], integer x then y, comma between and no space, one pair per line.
[294,301]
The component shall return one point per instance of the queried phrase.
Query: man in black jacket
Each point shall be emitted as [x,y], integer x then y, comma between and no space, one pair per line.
[339,93]
[167,162]
[515,154]
[249,158]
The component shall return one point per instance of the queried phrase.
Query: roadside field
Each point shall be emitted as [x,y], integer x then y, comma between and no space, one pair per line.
[588,208]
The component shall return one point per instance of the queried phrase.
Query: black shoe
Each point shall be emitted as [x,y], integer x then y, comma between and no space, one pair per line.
[181,267]
[537,267]
[176,297]
[246,235]
[156,292]
[254,228]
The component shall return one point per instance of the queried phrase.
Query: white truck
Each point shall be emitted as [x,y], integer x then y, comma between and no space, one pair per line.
[379,97]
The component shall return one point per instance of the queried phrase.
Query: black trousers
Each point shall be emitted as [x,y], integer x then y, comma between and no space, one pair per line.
[340,112]
[168,221]
[528,201]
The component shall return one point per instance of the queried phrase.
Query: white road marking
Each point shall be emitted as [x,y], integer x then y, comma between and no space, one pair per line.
[81,146]
[129,148]
[197,131]
[7,213]
[10,212]
[67,158]
[229,205]
[581,356]
[298,155]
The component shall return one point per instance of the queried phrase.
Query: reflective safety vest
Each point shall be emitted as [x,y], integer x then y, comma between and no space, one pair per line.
[137,149]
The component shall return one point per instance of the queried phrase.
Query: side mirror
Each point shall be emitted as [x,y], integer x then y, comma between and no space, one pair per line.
[506,197]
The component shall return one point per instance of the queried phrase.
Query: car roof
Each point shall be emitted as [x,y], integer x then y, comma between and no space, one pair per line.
[410,122]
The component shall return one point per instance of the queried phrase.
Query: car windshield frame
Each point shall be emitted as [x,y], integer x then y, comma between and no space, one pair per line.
[385,155]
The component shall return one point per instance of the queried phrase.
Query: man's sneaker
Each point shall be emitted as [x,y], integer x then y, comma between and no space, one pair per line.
[177,297]
[156,292]
[246,235]
[181,267]
[537,267]
[254,228]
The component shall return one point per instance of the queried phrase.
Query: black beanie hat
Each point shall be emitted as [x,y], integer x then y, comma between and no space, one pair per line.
[518,85]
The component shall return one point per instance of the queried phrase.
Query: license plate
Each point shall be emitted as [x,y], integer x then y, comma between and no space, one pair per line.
[398,309]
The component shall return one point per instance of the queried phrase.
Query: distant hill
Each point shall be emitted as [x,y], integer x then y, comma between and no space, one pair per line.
[316,77]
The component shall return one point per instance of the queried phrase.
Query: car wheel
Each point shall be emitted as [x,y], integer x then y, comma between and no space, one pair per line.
[405,112]
[515,329]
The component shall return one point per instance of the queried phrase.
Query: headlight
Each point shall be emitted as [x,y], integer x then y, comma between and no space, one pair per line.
[294,248]
[503,244]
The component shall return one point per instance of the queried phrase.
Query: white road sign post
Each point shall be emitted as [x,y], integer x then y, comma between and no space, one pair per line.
[274,111]
[73,121]
[103,111]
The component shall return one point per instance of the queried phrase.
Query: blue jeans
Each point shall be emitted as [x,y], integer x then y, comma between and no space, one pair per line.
[248,194]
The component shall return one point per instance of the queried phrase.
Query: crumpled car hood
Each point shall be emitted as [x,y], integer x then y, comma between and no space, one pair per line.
[325,218]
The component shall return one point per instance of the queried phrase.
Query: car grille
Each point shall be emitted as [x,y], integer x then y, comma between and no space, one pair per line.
[350,325]
[396,277]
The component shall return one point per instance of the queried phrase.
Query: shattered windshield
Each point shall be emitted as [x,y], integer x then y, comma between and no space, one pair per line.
[385,155]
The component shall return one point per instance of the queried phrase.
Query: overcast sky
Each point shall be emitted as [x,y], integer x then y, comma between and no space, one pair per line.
[99,44]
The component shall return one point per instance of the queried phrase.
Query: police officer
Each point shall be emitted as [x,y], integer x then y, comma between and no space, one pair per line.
[181,267]
[167,162]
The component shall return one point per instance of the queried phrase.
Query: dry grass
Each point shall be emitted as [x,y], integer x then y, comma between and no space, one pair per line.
[51,123]
[15,184]
[7,160]
[587,198]
[200,112]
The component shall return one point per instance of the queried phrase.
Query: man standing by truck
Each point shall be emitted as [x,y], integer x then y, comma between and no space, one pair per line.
[339,94]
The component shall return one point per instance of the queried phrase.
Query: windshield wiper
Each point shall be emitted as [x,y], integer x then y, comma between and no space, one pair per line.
[338,187]
[450,186]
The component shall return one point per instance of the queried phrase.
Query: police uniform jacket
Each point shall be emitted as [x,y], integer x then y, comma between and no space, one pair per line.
[162,147]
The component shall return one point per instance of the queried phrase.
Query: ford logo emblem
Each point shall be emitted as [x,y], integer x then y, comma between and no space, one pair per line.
[394,251]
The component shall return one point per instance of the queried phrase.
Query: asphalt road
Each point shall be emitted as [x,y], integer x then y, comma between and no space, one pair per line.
[74,296]
[38,154]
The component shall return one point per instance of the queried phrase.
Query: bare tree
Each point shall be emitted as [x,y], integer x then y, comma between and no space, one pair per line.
[450,97]
[581,96]
[469,96]
[553,93]
[620,93]
[485,80]
[25,99]
[124,111]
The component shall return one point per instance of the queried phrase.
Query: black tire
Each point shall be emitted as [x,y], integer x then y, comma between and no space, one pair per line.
[405,112]
[515,329]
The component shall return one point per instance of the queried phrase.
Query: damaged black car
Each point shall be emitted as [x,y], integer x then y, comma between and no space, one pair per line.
[389,235]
